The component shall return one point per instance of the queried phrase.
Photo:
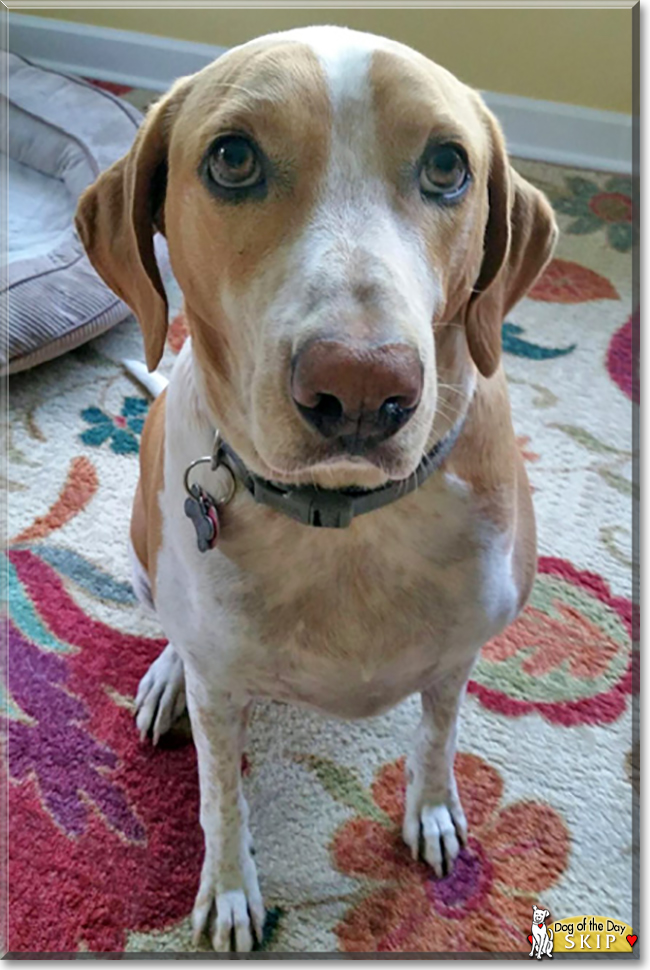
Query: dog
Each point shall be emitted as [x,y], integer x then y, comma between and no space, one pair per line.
[332,510]
[542,935]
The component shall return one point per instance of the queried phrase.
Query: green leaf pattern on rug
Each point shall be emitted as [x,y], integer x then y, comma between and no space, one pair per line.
[545,397]
[588,440]
[608,535]
[15,455]
[8,485]
[593,207]
[621,484]
[596,446]
[32,428]
[343,785]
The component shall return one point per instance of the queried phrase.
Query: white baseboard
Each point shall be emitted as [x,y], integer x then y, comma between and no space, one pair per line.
[124,56]
[547,131]
[565,134]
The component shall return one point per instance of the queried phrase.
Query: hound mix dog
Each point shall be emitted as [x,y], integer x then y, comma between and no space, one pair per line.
[348,235]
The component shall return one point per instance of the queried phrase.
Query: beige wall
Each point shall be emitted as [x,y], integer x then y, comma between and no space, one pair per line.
[573,55]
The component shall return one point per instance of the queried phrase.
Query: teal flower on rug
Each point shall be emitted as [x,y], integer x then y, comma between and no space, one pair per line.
[594,208]
[122,430]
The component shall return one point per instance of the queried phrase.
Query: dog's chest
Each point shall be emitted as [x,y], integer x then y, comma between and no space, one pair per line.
[348,621]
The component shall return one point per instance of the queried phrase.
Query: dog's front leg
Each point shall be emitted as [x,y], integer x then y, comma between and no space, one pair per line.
[434,821]
[229,883]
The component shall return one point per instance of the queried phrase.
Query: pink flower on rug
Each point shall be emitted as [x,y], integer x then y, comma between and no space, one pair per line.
[621,364]
[514,854]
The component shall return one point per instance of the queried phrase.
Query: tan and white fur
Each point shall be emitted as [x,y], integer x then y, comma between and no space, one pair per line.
[348,621]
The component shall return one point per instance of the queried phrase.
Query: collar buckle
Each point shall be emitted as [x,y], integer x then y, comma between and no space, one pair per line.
[307,504]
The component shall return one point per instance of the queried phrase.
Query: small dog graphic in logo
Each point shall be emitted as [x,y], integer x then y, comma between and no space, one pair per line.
[542,936]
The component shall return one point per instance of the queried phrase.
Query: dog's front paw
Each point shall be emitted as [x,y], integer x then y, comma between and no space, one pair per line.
[161,695]
[434,829]
[235,915]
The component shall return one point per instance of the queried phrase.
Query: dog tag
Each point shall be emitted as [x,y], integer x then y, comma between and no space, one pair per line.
[200,508]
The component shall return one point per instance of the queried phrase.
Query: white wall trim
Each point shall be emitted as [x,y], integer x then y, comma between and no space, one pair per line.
[544,130]
[565,134]
[140,60]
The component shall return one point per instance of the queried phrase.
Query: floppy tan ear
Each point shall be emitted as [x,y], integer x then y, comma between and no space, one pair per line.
[519,239]
[116,219]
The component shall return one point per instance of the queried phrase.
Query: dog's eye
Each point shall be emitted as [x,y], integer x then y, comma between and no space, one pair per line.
[234,163]
[445,172]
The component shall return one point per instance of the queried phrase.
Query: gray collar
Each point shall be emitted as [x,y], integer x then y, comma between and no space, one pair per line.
[334,508]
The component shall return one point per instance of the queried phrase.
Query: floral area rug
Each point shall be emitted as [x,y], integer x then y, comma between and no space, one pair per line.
[105,846]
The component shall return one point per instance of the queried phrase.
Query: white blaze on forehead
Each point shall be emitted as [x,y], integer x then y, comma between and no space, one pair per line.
[345,56]
[355,212]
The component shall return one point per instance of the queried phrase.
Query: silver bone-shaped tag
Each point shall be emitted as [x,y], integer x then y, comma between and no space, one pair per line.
[200,508]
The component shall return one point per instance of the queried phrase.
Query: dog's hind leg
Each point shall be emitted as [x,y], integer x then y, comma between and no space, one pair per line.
[161,695]
[140,580]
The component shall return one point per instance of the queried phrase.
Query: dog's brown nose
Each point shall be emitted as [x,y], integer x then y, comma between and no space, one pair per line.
[358,394]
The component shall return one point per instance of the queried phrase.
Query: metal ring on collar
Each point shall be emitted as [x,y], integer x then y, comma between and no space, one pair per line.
[215,461]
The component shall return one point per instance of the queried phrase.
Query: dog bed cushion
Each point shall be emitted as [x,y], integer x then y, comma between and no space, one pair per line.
[62,133]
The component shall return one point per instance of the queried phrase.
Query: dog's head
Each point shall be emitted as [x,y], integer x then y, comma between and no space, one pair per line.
[539,915]
[348,234]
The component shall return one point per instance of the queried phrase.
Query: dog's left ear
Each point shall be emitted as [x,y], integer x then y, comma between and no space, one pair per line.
[519,238]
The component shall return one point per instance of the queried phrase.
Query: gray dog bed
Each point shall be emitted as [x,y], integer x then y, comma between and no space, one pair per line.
[62,133]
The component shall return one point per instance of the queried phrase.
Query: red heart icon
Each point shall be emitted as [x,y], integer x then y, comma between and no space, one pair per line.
[632,939]
[530,939]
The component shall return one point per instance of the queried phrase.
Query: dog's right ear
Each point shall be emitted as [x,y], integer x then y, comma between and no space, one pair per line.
[119,213]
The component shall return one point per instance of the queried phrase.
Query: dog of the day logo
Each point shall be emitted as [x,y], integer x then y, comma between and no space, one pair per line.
[541,937]
[578,934]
